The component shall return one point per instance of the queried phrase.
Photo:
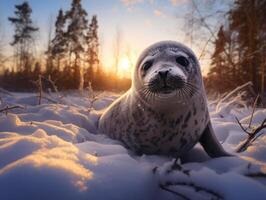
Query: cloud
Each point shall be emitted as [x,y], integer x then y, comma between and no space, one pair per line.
[131,2]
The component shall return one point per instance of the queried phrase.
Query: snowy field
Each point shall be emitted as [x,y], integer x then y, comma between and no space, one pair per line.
[51,151]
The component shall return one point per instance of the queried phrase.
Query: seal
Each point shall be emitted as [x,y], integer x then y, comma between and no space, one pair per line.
[165,110]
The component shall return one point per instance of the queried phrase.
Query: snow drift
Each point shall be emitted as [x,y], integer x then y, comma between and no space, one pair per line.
[52,151]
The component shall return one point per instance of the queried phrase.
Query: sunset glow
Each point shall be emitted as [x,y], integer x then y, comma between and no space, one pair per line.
[124,67]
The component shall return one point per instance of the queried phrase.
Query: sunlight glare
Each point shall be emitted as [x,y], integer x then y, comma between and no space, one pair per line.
[124,66]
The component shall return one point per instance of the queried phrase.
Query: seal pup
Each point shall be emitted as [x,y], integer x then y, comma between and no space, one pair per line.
[165,110]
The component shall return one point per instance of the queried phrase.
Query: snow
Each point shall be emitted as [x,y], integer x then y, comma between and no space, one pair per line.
[53,151]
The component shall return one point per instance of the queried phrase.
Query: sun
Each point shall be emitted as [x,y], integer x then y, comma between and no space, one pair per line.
[124,66]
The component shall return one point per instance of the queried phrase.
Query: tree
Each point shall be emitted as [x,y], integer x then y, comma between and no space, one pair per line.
[2,59]
[239,22]
[92,51]
[218,60]
[23,39]
[76,38]
[244,47]
[58,44]
[49,55]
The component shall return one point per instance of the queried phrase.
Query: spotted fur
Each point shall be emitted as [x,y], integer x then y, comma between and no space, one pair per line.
[146,126]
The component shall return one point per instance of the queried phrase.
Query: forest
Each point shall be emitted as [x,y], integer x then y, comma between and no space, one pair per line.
[237,53]
[240,49]
[72,55]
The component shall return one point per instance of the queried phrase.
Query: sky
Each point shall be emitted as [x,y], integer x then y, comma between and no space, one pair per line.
[139,22]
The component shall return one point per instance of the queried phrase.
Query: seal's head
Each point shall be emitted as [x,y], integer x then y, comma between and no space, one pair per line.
[166,70]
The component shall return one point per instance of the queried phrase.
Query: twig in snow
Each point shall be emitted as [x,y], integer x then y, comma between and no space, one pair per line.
[253,110]
[253,134]
[241,126]
[41,93]
[197,188]
[163,187]
[39,86]
[256,175]
[7,108]
[93,97]
[232,93]
[53,84]
[177,167]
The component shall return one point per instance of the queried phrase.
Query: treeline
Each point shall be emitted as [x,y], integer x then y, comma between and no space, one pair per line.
[72,56]
[240,49]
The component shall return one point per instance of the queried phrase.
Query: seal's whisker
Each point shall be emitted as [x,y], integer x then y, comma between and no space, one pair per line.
[185,94]
[189,91]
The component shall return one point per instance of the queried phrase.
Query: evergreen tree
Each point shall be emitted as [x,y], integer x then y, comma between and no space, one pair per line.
[239,54]
[59,42]
[23,37]
[76,38]
[92,52]
[218,60]
[247,20]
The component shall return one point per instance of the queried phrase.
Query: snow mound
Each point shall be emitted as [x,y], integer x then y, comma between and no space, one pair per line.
[53,151]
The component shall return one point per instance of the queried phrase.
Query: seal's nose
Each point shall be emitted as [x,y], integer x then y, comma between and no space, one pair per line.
[163,74]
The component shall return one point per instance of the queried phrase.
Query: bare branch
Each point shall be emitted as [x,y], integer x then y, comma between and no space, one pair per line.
[252,136]
[173,192]
[241,126]
[256,175]
[193,186]
[230,94]
[93,97]
[253,110]
[7,108]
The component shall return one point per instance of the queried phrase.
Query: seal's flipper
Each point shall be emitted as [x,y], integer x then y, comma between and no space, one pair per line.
[210,143]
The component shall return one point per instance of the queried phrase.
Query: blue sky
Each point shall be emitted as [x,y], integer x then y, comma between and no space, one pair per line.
[141,22]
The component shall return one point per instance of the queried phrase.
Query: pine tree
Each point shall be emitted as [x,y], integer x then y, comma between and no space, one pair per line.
[247,20]
[76,37]
[218,60]
[242,56]
[92,52]
[23,37]
[59,42]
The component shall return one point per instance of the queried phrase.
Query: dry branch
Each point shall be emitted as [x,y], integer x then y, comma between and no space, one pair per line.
[7,108]
[229,95]
[93,97]
[253,134]
[256,175]
[177,167]
[193,186]
[163,187]
[253,110]
[39,86]
[41,94]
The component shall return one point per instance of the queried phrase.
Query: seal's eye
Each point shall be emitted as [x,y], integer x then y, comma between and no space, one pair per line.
[182,61]
[147,65]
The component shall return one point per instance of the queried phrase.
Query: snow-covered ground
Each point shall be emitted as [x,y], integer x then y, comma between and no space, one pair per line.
[51,151]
